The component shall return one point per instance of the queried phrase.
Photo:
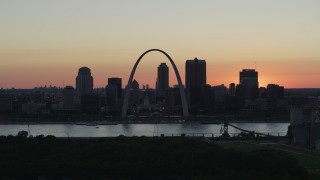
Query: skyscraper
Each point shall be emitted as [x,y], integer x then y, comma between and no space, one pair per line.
[111,94]
[68,98]
[163,77]
[196,73]
[84,82]
[118,83]
[196,81]
[249,82]
[275,91]
[248,76]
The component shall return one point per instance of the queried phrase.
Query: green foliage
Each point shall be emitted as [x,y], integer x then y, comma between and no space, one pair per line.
[139,158]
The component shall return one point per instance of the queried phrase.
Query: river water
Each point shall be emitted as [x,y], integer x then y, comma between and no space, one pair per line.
[190,129]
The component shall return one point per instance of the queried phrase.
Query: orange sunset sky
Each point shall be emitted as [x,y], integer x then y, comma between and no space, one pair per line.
[45,42]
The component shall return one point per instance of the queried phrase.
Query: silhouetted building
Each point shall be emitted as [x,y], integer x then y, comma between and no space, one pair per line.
[232,89]
[195,81]
[220,93]
[118,83]
[231,103]
[262,92]
[275,91]
[90,103]
[68,98]
[240,94]
[84,82]
[249,83]
[208,101]
[196,73]
[304,129]
[163,77]
[6,103]
[111,94]
[173,101]
[135,94]
[135,84]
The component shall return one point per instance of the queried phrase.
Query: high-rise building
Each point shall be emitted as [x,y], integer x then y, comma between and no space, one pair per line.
[275,91]
[90,103]
[196,73]
[248,76]
[163,77]
[195,81]
[220,93]
[111,94]
[250,84]
[118,83]
[68,98]
[84,82]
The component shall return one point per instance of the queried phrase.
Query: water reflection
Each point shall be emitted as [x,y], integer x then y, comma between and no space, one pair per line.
[71,130]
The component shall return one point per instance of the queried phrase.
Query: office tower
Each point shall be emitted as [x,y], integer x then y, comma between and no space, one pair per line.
[250,84]
[195,81]
[163,77]
[118,83]
[220,93]
[84,82]
[68,98]
[275,91]
[195,73]
[135,94]
[248,76]
[90,103]
[111,94]
[232,89]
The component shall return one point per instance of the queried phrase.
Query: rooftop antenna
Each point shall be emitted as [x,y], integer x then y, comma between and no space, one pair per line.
[255,65]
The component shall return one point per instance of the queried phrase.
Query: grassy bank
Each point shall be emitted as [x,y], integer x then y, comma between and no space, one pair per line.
[307,159]
[142,158]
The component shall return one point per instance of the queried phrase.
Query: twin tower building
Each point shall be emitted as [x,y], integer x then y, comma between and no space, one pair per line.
[195,75]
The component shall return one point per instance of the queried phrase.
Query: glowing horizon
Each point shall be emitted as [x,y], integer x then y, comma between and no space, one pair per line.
[45,42]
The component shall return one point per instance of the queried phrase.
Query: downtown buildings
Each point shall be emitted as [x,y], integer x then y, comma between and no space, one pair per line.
[202,98]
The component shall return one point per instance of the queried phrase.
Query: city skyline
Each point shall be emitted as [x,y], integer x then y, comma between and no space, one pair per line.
[41,38]
[171,84]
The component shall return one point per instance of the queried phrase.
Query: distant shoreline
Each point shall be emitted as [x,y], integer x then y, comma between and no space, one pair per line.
[6,122]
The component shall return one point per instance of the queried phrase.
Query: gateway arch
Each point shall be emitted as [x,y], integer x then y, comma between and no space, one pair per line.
[128,87]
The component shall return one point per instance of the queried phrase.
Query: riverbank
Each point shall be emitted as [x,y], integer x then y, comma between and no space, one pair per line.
[142,158]
[112,122]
